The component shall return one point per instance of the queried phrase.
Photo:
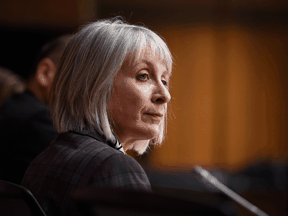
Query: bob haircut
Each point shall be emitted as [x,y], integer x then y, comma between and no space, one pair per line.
[82,85]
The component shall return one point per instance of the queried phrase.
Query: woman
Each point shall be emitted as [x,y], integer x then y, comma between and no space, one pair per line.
[110,94]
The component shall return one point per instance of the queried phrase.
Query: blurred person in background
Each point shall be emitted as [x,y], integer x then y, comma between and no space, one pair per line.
[26,127]
[109,94]
[10,84]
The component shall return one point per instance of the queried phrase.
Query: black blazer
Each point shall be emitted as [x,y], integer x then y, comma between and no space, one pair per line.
[77,160]
[26,129]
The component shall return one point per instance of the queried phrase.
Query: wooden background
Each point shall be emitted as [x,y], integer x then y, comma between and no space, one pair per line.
[229,84]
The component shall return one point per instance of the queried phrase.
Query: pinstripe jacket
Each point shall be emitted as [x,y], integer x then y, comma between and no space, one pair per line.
[76,160]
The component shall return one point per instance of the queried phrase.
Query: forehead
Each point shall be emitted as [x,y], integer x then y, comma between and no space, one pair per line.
[151,58]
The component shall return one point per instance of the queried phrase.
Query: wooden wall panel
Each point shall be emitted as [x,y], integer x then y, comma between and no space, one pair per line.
[229,89]
[191,131]
[248,126]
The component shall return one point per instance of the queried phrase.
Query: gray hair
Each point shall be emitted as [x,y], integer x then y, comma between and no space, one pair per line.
[81,89]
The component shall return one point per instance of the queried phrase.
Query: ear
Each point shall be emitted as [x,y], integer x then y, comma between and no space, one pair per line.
[46,70]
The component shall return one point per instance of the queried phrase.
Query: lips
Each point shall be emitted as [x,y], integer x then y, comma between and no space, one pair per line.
[154,118]
[155,114]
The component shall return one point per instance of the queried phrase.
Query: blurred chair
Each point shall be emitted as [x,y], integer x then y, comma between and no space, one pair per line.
[16,200]
[98,202]
[10,83]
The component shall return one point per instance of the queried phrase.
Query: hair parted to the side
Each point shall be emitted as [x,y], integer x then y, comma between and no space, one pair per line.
[81,89]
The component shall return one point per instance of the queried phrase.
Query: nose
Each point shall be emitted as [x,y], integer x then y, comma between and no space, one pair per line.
[161,94]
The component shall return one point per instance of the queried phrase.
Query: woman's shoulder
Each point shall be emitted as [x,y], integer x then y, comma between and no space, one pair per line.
[99,151]
[95,150]
[85,147]
[94,161]
[121,171]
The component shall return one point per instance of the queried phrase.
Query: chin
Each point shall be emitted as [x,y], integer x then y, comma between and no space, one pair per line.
[140,146]
[150,133]
[142,135]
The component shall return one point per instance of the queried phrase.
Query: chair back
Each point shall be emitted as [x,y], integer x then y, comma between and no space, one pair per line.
[17,200]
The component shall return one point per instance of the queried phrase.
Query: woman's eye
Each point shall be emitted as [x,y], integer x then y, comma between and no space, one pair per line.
[165,83]
[143,77]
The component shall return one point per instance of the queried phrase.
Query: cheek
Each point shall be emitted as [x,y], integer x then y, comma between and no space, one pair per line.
[125,103]
[131,95]
[146,90]
[138,97]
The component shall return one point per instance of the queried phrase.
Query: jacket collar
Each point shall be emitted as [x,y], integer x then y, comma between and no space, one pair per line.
[101,138]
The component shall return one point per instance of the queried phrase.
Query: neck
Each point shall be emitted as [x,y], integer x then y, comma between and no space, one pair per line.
[38,91]
[127,142]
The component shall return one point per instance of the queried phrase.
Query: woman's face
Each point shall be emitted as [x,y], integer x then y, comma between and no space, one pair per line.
[139,99]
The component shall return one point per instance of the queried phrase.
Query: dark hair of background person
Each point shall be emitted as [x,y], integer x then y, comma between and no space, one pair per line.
[52,50]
